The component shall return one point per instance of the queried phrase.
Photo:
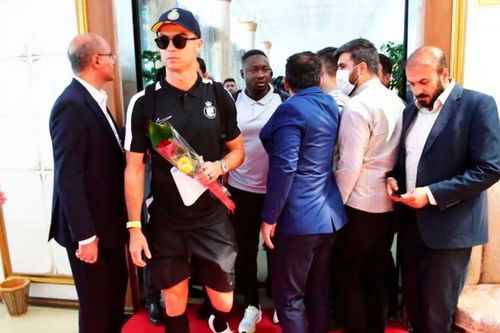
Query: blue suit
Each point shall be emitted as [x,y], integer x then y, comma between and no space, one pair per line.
[303,199]
[89,200]
[300,137]
[460,160]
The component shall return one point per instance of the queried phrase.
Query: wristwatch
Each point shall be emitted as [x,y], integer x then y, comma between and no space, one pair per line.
[224,167]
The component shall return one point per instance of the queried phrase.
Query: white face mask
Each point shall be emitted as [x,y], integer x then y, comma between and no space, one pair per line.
[342,79]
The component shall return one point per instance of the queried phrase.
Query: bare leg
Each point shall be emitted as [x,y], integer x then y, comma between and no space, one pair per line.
[175,306]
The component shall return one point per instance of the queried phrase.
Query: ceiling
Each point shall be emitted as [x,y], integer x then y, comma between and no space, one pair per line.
[298,25]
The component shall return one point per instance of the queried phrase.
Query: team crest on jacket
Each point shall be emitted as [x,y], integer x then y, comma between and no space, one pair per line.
[209,110]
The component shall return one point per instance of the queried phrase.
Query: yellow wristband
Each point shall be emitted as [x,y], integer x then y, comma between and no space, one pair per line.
[134,224]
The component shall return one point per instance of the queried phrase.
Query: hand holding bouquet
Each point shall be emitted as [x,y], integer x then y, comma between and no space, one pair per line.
[172,146]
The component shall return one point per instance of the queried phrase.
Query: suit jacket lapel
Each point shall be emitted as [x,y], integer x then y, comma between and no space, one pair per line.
[96,109]
[408,117]
[449,108]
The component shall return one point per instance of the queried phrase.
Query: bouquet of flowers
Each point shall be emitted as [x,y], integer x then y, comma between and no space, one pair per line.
[172,147]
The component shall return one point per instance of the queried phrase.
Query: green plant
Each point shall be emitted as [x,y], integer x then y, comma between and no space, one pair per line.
[149,62]
[395,51]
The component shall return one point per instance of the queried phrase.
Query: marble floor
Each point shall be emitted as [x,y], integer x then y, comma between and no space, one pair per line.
[39,320]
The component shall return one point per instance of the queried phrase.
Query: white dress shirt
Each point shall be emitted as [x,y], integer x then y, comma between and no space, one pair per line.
[101,98]
[369,134]
[417,137]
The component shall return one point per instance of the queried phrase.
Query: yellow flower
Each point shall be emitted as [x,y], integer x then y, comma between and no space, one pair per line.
[184,164]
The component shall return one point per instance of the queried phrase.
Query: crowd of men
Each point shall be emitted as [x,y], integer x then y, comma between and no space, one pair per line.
[326,177]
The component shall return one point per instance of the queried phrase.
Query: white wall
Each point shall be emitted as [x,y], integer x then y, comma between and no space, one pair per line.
[482,48]
[34,60]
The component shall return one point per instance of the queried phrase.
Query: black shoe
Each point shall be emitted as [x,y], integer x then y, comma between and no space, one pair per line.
[155,313]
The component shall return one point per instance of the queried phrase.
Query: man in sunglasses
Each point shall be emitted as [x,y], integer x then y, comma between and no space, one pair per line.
[181,239]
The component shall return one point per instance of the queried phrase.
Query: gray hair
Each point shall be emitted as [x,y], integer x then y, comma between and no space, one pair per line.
[81,49]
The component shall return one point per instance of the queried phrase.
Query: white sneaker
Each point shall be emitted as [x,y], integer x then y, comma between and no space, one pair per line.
[211,325]
[251,317]
[275,317]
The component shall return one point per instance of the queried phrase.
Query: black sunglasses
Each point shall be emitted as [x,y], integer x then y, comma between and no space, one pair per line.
[179,41]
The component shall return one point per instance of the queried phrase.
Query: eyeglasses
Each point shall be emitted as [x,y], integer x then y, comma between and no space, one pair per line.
[179,41]
[111,56]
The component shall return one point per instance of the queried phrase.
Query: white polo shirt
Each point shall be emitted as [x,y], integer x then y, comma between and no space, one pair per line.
[252,115]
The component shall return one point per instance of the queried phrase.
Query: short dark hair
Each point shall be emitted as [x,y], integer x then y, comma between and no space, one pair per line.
[229,79]
[361,50]
[201,63]
[250,53]
[386,62]
[328,59]
[303,70]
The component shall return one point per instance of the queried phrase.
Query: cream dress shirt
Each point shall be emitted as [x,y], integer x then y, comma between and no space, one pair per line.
[369,134]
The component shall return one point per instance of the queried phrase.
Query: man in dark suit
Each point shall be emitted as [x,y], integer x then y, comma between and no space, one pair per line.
[302,208]
[89,214]
[449,155]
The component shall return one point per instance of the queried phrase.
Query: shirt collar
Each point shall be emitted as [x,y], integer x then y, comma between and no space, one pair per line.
[441,99]
[99,96]
[193,91]
[370,83]
[261,101]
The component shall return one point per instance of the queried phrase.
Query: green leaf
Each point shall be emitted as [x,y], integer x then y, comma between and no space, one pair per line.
[149,69]
[395,51]
[159,132]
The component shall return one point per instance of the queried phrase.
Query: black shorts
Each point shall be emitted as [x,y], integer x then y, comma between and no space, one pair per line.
[209,252]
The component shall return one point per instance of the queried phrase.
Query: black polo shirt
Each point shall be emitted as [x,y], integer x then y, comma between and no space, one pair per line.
[197,117]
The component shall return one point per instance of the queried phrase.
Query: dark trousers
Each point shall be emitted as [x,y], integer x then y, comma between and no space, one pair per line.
[246,221]
[101,290]
[361,255]
[300,266]
[432,280]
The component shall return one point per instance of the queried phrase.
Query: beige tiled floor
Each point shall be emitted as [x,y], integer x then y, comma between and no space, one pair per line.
[39,320]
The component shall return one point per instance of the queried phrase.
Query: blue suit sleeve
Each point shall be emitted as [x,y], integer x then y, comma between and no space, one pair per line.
[287,128]
[69,141]
[484,158]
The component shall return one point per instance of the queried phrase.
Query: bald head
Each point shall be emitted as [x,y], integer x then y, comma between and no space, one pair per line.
[82,48]
[429,56]
[427,75]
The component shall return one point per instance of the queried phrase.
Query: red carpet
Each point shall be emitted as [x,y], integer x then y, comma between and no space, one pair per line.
[139,323]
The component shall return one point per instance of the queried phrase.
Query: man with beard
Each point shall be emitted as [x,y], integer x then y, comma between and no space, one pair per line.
[369,133]
[247,184]
[449,155]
